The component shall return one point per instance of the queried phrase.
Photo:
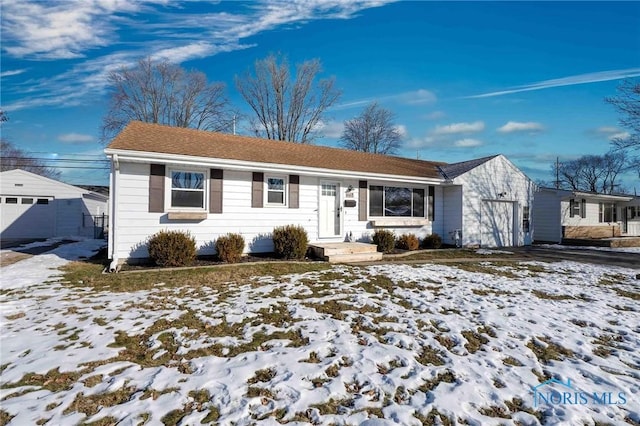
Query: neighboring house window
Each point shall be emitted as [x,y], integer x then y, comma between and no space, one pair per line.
[608,212]
[578,208]
[11,200]
[187,189]
[27,201]
[631,212]
[276,186]
[42,201]
[393,201]
[525,219]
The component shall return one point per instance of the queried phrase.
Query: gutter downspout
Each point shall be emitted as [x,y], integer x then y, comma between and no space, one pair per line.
[113,234]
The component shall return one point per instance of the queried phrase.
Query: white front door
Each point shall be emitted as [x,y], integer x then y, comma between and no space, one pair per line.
[329,210]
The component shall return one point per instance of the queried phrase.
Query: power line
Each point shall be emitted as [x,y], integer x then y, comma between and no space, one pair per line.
[70,160]
[44,166]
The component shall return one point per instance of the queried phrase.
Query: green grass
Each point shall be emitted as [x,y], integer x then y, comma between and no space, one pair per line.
[90,275]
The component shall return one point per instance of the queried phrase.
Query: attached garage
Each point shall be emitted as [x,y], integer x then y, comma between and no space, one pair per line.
[488,203]
[33,206]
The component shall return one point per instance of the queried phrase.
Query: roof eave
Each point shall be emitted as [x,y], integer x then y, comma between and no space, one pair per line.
[145,156]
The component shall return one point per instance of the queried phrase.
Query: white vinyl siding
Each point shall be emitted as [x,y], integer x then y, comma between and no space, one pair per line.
[485,183]
[135,224]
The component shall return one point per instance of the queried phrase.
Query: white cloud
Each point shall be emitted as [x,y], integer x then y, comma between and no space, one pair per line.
[11,72]
[75,138]
[516,126]
[612,133]
[331,129]
[41,30]
[572,80]
[620,136]
[59,30]
[402,130]
[456,128]
[435,115]
[467,143]
[414,97]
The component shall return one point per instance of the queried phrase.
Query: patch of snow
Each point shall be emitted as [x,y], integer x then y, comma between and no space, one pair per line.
[492,251]
[377,352]
[613,249]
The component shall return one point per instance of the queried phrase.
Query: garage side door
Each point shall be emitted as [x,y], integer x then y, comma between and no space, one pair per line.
[497,224]
[27,217]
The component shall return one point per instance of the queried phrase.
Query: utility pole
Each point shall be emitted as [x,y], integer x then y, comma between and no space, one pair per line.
[557,172]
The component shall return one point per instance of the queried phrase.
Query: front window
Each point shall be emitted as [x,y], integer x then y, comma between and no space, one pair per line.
[187,189]
[393,201]
[608,212]
[275,191]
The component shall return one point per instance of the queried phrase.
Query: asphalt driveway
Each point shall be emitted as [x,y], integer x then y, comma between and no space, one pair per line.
[584,255]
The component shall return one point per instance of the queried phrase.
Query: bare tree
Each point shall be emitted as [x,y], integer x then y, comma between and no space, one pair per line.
[15,158]
[372,131]
[287,108]
[627,102]
[165,93]
[594,173]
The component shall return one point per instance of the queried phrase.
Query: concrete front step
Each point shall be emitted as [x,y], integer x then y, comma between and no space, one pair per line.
[353,258]
[346,252]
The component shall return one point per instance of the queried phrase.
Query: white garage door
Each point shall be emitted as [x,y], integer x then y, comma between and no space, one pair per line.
[497,223]
[27,217]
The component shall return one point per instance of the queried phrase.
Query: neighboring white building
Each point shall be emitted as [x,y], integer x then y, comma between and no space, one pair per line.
[33,206]
[211,184]
[576,214]
[489,200]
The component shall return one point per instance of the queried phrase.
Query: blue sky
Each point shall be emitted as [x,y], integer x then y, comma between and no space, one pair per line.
[464,79]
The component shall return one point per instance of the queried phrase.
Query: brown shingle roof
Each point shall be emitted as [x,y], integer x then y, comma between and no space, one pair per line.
[147,137]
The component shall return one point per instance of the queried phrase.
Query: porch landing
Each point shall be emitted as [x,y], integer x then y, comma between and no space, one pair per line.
[345,252]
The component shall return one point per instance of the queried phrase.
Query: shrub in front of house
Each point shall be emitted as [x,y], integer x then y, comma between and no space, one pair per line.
[172,248]
[290,242]
[385,240]
[433,241]
[230,247]
[408,242]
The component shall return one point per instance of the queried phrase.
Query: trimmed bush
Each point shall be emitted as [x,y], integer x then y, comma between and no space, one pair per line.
[385,240]
[172,248]
[230,247]
[408,242]
[433,241]
[290,242]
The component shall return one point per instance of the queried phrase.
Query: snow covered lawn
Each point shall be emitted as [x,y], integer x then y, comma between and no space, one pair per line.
[413,344]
